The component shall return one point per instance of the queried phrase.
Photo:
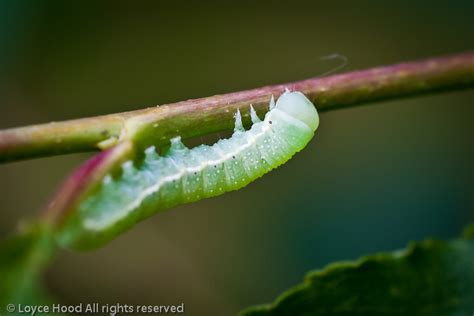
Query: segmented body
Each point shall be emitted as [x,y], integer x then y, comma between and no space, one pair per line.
[184,175]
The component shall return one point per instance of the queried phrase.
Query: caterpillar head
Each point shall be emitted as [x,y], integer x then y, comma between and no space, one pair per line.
[299,107]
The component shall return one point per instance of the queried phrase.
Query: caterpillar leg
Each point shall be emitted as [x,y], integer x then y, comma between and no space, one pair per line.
[151,154]
[239,127]
[253,115]
[271,106]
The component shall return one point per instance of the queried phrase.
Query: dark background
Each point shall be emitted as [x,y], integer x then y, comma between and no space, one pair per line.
[374,177]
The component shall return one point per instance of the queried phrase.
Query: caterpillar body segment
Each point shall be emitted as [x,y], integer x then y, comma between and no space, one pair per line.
[185,175]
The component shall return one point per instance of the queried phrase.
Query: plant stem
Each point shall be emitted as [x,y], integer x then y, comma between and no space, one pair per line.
[213,114]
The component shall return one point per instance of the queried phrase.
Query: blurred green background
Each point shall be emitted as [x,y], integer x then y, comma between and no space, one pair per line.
[374,177]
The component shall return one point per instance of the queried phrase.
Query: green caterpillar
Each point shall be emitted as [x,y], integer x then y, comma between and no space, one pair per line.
[185,175]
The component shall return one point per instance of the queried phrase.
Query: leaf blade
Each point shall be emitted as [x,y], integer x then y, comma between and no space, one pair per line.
[23,258]
[429,278]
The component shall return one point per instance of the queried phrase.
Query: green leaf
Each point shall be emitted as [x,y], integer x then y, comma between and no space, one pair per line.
[22,259]
[429,278]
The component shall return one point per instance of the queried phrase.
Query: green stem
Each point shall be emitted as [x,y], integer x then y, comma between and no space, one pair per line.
[213,114]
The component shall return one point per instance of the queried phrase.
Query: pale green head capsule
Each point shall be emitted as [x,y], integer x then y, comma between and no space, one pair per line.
[296,105]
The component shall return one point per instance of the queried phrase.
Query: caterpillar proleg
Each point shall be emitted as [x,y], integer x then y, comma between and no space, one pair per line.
[183,175]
